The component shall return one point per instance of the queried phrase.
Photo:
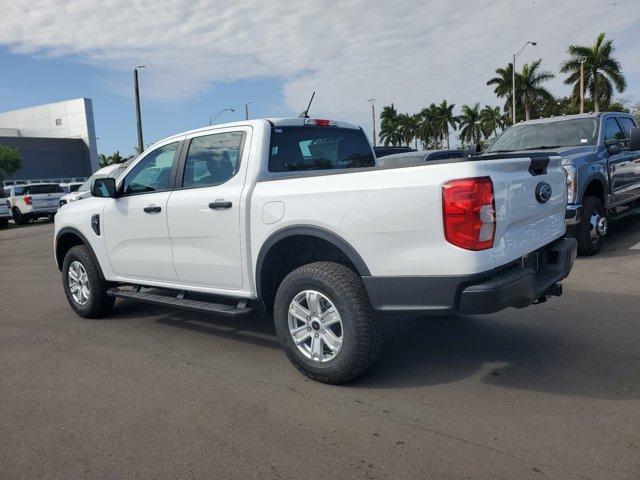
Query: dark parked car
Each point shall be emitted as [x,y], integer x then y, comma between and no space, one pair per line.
[601,155]
[384,151]
[417,158]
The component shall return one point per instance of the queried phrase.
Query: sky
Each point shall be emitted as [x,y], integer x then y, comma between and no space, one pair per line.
[203,56]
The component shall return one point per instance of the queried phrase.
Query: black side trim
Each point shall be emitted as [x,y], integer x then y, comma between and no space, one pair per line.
[73,231]
[311,231]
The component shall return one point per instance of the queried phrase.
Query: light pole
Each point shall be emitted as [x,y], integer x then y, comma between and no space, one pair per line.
[582,84]
[138,117]
[372,101]
[513,79]
[246,110]
[211,119]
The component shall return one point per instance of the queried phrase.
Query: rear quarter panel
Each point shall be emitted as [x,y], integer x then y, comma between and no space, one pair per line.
[392,218]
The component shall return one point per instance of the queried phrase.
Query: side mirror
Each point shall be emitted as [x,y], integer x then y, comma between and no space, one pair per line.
[104,187]
[612,145]
[474,149]
[634,141]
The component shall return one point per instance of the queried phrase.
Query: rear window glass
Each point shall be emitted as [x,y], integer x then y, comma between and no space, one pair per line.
[36,189]
[318,148]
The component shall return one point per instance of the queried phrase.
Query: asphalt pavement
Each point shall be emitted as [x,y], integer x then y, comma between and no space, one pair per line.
[550,391]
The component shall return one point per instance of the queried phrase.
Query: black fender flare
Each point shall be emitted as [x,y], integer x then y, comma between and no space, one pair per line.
[309,231]
[80,235]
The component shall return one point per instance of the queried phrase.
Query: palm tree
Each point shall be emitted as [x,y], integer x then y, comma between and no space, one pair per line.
[504,86]
[602,72]
[530,86]
[408,127]
[491,120]
[446,118]
[389,126]
[469,121]
[429,129]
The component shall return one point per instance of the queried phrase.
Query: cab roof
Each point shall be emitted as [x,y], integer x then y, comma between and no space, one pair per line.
[276,122]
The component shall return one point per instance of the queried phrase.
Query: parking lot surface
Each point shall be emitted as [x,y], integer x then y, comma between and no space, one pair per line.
[550,391]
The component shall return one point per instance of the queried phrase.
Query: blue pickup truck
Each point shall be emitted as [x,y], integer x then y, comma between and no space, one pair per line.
[601,155]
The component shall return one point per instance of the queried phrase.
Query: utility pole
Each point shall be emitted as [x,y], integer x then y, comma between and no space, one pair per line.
[246,110]
[582,84]
[513,79]
[138,117]
[372,101]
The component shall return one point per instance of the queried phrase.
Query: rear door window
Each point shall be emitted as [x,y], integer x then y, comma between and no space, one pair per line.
[41,189]
[318,148]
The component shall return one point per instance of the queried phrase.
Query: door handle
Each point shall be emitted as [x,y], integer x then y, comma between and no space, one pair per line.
[220,205]
[152,209]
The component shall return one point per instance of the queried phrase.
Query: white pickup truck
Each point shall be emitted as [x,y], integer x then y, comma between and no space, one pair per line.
[295,215]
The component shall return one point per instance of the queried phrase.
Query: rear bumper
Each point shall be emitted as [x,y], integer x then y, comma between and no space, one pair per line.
[515,285]
[573,215]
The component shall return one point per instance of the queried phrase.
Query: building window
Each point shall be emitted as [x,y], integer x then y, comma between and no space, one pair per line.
[58,122]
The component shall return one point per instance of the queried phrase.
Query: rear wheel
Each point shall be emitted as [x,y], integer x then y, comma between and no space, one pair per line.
[593,226]
[83,284]
[325,322]
[18,217]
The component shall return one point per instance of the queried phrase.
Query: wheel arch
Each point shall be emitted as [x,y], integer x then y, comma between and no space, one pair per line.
[595,186]
[66,239]
[312,243]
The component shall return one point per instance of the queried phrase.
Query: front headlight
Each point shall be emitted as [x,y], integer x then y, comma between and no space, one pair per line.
[572,182]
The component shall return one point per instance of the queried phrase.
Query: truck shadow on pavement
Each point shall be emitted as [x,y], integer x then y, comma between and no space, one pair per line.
[513,350]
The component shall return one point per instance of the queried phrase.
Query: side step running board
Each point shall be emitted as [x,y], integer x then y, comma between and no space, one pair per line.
[177,302]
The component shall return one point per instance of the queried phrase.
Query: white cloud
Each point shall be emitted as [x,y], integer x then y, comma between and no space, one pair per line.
[407,52]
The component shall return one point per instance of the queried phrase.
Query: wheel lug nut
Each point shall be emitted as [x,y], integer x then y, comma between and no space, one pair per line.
[323,331]
[316,335]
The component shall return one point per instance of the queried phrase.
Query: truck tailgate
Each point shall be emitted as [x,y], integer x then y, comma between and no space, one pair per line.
[525,219]
[45,200]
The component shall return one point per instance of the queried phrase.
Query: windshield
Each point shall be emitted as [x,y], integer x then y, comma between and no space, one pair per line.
[562,133]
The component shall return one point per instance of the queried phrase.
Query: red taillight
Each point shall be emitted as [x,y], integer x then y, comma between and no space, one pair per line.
[27,199]
[469,213]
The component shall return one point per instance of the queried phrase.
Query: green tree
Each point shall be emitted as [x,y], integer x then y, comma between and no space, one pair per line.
[446,119]
[10,161]
[530,89]
[491,120]
[408,126]
[429,130]
[111,159]
[503,82]
[389,126]
[602,72]
[469,121]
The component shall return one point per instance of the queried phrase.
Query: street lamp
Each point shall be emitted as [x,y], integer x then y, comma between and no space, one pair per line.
[513,79]
[138,117]
[246,110]
[221,112]
[372,101]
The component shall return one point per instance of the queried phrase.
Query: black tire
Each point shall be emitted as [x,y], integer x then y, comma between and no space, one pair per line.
[18,217]
[587,245]
[99,303]
[361,337]
[4,223]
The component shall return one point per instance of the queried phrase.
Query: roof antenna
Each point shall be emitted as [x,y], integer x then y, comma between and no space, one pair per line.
[305,113]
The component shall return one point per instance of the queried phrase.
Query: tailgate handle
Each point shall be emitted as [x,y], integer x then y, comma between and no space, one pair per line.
[538,166]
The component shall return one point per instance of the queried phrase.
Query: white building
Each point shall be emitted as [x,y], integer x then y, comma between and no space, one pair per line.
[69,119]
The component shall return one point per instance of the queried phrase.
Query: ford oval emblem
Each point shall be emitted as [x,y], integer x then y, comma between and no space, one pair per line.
[543,192]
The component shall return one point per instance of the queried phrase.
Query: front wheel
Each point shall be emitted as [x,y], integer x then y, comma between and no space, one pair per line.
[593,226]
[325,322]
[83,284]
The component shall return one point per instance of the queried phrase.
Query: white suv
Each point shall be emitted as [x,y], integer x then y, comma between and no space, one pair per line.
[32,201]
[5,211]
